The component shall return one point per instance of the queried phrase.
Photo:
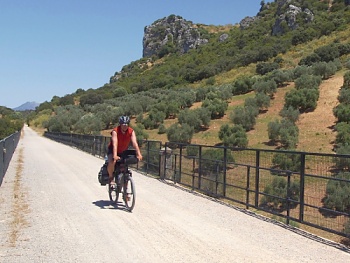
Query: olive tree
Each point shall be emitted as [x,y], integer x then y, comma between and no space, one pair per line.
[234,136]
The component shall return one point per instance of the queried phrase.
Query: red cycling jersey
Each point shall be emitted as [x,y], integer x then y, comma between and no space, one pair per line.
[123,140]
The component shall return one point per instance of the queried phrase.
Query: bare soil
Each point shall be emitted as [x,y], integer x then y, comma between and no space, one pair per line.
[316,128]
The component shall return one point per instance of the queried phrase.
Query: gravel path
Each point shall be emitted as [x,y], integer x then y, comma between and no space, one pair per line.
[52,209]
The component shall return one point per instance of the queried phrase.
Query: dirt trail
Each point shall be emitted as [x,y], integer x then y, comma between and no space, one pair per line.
[68,218]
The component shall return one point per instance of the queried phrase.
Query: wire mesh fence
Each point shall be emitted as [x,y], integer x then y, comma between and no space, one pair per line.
[311,189]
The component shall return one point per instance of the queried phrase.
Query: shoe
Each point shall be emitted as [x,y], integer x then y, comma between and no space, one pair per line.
[112,185]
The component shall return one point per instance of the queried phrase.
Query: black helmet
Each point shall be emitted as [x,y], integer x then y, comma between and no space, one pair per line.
[124,120]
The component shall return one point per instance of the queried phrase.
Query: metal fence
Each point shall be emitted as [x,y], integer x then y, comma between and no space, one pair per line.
[7,148]
[310,189]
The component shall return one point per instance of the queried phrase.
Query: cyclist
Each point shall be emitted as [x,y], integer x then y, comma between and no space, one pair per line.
[122,135]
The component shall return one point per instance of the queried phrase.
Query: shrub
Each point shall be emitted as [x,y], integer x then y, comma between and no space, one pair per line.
[277,194]
[281,76]
[140,132]
[196,118]
[346,84]
[268,87]
[327,53]
[298,71]
[234,136]
[161,129]
[217,107]
[192,150]
[343,133]
[243,85]
[344,96]
[89,124]
[273,130]
[308,81]
[342,112]
[266,67]
[343,162]
[289,134]
[303,99]
[290,113]
[325,70]
[309,60]
[287,161]
[244,116]
[214,159]
[337,193]
[262,101]
[90,99]
[285,131]
[347,64]
[180,133]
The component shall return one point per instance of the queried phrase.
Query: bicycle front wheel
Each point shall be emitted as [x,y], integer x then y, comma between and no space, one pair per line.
[129,194]
[113,193]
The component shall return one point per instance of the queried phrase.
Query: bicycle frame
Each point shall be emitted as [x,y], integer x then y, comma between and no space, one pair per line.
[124,184]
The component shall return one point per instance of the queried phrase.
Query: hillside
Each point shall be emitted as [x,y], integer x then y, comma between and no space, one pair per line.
[316,132]
[156,89]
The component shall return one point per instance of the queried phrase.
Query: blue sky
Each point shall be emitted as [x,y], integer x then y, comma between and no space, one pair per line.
[52,48]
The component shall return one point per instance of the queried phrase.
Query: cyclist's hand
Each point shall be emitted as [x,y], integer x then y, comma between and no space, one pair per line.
[139,157]
[116,158]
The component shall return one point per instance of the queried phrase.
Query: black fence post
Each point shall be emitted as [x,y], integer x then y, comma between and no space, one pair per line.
[248,187]
[175,162]
[257,179]
[178,179]
[193,171]
[289,174]
[302,185]
[200,167]
[160,161]
[225,172]
[94,146]
[147,162]
[217,177]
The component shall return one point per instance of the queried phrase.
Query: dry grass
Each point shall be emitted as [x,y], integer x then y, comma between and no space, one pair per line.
[40,130]
[20,207]
[316,132]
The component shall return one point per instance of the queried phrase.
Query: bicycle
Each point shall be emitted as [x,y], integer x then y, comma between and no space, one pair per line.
[124,182]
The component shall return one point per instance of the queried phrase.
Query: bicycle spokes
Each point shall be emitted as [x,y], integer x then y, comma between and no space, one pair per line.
[129,193]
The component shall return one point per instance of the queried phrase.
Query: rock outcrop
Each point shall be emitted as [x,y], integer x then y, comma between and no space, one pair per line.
[171,34]
[289,17]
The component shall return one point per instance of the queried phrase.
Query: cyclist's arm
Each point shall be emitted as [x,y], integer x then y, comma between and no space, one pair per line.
[136,146]
[115,146]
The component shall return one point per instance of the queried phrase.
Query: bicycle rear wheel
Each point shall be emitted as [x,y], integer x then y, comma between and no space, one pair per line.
[129,194]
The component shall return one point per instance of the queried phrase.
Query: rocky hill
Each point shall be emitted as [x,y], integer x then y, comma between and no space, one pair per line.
[27,106]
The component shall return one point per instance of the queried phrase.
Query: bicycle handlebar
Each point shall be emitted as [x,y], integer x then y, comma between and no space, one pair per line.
[131,159]
[128,157]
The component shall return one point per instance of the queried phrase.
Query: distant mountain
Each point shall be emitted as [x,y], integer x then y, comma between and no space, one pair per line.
[27,106]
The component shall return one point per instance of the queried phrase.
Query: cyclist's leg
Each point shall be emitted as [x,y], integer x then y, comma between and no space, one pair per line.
[110,168]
